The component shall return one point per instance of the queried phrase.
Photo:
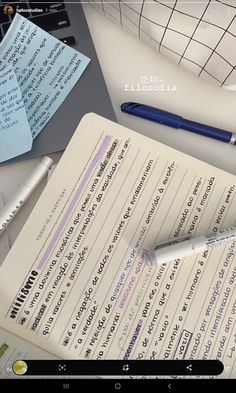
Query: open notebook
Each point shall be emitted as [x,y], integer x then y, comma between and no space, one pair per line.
[75,282]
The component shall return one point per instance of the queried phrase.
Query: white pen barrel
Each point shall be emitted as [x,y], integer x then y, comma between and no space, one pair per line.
[222,236]
[13,206]
[38,174]
[23,192]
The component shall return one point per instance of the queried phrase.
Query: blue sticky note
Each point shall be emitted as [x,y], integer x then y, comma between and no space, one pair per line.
[15,133]
[46,69]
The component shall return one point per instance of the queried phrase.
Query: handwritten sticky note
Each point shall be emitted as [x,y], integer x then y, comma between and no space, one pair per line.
[45,68]
[15,134]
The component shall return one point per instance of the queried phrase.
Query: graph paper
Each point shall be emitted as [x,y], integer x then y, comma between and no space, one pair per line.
[200,35]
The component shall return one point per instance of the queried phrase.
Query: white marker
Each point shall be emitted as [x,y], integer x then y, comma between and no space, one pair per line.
[25,190]
[187,245]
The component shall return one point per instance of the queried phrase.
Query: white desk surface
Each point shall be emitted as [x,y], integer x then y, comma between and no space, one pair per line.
[125,60]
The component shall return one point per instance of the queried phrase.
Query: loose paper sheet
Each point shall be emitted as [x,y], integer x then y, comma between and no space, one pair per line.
[15,134]
[46,70]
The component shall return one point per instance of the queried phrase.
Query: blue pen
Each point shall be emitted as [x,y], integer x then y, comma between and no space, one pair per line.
[176,121]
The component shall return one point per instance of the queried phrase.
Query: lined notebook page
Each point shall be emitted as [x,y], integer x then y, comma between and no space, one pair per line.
[80,287]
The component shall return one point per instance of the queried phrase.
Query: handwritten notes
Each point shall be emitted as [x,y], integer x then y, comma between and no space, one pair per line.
[45,72]
[15,134]
[82,289]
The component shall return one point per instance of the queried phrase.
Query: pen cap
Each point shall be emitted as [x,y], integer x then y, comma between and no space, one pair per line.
[47,162]
[39,172]
[176,249]
[154,114]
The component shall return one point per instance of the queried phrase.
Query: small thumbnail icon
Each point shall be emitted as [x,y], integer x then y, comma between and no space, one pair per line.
[19,367]
[8,10]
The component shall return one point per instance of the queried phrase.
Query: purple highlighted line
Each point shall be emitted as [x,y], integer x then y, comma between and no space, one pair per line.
[74,201]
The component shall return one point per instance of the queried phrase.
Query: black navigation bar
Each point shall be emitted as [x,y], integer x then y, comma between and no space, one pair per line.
[122,367]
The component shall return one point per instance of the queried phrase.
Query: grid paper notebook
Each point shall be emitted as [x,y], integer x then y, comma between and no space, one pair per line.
[200,36]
